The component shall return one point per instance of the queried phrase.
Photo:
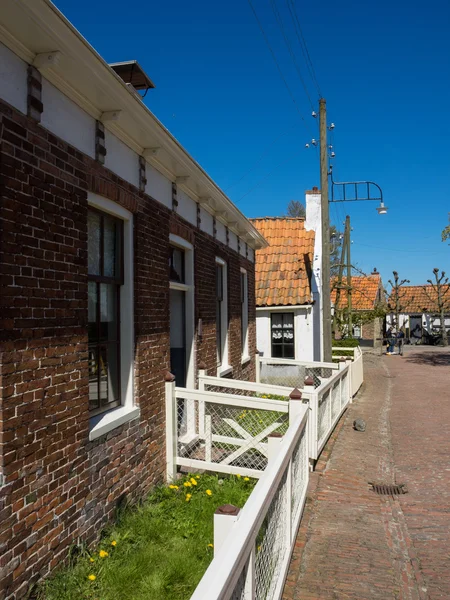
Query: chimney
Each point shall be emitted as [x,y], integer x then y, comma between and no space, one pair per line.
[374,272]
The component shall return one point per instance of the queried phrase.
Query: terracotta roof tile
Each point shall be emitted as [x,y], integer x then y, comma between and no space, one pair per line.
[283,269]
[365,292]
[414,299]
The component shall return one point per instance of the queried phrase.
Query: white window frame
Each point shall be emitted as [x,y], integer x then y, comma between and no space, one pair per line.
[189,289]
[225,368]
[244,318]
[105,422]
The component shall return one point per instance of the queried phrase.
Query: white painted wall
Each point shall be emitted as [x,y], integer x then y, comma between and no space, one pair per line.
[430,322]
[187,208]
[303,332]
[314,222]
[242,247]
[13,77]
[221,232]
[67,120]
[233,241]
[158,186]
[207,224]
[121,159]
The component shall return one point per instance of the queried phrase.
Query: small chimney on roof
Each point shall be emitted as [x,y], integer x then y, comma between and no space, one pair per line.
[374,272]
[315,190]
[134,76]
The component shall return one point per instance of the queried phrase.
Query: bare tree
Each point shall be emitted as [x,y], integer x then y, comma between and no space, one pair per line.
[441,292]
[296,209]
[396,297]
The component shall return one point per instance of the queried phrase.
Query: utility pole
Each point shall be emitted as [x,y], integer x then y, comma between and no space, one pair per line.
[340,274]
[326,293]
[349,279]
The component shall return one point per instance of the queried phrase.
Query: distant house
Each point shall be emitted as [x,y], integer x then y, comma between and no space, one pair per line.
[288,308]
[367,295]
[419,312]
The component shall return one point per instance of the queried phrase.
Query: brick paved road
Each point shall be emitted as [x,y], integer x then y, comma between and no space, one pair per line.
[355,544]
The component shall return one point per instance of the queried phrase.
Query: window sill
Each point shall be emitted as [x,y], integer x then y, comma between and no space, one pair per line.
[102,424]
[224,370]
[245,359]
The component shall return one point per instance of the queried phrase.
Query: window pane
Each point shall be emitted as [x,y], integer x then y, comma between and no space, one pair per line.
[93,378]
[177,265]
[219,331]
[111,247]
[277,351]
[289,350]
[219,282]
[277,321]
[92,312]
[109,374]
[108,312]
[93,243]
[288,320]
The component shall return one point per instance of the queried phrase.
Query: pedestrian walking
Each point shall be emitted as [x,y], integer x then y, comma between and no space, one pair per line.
[401,338]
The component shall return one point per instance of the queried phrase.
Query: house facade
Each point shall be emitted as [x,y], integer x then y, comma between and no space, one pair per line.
[288,299]
[121,261]
[419,312]
[367,295]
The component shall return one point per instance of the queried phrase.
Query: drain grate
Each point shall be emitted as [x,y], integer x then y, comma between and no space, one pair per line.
[389,489]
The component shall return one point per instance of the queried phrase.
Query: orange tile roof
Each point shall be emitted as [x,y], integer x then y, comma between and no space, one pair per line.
[283,269]
[414,299]
[364,293]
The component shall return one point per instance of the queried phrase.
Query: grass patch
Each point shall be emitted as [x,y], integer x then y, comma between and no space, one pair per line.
[157,551]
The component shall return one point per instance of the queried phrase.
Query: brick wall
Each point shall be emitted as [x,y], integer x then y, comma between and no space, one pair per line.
[57,487]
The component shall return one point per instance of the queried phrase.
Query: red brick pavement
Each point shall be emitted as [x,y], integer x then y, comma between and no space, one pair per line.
[355,544]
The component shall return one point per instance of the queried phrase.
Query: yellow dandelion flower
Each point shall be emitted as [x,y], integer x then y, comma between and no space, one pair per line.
[197,477]
[193,481]
[208,492]
[238,476]
[114,543]
[188,497]
[173,487]
[210,545]
[246,478]
[187,484]
[259,548]
[92,559]
[103,554]
[92,577]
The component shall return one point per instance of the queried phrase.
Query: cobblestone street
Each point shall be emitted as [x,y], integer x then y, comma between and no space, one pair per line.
[356,544]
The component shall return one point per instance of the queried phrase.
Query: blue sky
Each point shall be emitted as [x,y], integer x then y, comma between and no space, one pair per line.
[383,68]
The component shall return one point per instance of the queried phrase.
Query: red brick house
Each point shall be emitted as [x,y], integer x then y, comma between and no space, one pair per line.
[120,260]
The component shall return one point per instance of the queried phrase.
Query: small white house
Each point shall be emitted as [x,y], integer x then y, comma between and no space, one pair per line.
[288,300]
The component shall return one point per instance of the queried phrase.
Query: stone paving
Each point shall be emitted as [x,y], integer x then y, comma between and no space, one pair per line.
[356,544]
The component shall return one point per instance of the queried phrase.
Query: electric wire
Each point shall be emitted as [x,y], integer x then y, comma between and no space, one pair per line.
[303,45]
[289,47]
[266,39]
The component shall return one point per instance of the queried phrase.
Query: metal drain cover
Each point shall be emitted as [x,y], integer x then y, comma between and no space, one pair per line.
[388,489]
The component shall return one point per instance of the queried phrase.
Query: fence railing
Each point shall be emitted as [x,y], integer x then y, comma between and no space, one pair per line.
[251,560]
[292,373]
[356,366]
[222,432]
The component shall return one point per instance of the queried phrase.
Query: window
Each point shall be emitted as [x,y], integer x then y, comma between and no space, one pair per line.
[176,264]
[221,316]
[244,313]
[105,277]
[282,326]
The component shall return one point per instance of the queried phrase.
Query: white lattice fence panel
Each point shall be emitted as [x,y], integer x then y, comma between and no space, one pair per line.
[335,401]
[324,415]
[271,545]
[299,474]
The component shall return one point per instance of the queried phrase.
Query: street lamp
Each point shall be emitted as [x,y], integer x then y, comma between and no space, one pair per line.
[358,191]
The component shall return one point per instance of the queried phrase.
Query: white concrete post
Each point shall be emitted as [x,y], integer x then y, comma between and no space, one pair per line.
[273,445]
[171,428]
[295,404]
[202,372]
[224,517]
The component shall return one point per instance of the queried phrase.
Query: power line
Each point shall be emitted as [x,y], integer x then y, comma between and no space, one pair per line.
[289,47]
[266,151]
[276,63]
[303,45]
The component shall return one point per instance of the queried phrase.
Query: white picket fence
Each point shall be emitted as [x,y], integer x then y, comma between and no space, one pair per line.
[253,549]
[356,367]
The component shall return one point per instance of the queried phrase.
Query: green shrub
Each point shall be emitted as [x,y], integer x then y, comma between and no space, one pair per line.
[347,342]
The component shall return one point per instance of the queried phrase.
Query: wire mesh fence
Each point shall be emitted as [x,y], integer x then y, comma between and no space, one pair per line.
[271,544]
[324,414]
[300,466]
[293,375]
[229,434]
